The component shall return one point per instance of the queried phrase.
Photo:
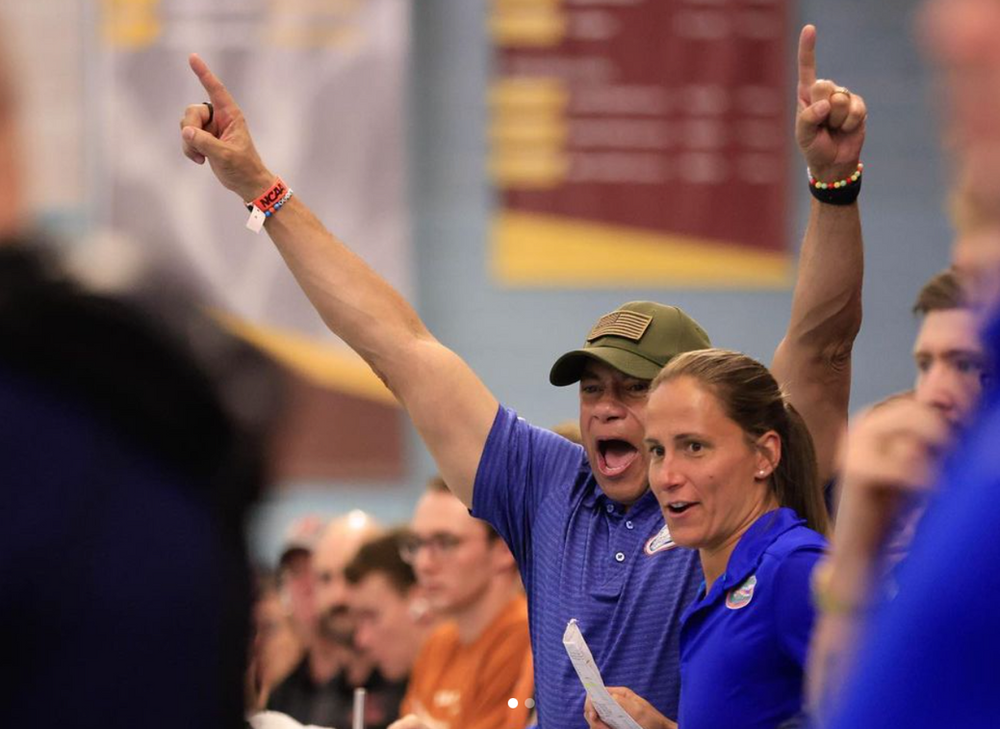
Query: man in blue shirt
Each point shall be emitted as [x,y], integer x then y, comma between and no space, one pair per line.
[588,536]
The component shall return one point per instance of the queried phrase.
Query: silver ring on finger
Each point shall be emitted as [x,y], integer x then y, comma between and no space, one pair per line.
[211,111]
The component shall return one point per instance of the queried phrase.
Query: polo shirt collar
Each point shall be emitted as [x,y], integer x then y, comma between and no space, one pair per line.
[745,559]
[596,498]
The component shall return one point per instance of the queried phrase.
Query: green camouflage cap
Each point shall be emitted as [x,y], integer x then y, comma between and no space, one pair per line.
[638,338]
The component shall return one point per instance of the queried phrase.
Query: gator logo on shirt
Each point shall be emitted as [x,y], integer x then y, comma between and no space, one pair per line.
[741,596]
[661,542]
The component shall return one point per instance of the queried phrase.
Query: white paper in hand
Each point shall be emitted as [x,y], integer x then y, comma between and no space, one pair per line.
[276,720]
[608,709]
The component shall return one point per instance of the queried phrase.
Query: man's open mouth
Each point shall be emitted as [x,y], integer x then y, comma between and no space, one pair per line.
[679,507]
[614,456]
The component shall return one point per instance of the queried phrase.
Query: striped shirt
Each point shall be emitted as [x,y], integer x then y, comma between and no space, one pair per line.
[584,556]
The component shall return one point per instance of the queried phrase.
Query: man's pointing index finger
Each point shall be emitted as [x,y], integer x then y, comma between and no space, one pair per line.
[807,62]
[217,92]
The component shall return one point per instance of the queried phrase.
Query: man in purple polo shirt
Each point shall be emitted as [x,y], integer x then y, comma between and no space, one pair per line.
[587,535]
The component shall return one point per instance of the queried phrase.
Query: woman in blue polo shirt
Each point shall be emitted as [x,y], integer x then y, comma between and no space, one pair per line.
[734,470]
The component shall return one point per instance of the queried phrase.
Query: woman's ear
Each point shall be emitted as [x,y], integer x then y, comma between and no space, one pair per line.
[768,454]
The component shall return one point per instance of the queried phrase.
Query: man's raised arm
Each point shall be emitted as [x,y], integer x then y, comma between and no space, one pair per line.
[448,403]
[814,359]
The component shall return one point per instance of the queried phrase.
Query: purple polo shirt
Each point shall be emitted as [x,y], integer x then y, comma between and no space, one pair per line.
[583,556]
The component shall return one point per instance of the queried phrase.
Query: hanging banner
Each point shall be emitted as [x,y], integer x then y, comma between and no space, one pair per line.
[641,142]
[42,155]
[322,85]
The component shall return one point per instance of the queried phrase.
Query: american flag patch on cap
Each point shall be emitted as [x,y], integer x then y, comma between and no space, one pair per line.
[627,324]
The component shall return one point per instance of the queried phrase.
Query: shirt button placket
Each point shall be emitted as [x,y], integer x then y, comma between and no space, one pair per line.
[612,510]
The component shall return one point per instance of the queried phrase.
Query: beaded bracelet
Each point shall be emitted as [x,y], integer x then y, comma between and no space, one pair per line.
[840,192]
[277,206]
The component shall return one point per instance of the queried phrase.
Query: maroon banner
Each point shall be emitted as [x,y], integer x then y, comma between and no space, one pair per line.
[649,136]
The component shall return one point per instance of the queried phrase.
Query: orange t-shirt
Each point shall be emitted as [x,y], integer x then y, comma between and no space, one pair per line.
[456,686]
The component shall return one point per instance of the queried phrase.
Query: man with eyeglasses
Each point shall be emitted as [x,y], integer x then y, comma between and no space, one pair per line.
[475,663]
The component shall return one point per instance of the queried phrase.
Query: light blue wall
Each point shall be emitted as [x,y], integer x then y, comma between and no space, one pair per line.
[511,337]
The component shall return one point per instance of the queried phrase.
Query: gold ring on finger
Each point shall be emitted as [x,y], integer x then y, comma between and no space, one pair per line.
[842,90]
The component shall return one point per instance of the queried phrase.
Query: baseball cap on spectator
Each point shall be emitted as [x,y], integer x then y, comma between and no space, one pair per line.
[638,338]
[302,536]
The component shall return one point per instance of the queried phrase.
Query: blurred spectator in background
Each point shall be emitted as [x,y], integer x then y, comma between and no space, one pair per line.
[320,690]
[570,430]
[285,612]
[952,364]
[276,648]
[134,437]
[473,664]
[392,619]
[297,579]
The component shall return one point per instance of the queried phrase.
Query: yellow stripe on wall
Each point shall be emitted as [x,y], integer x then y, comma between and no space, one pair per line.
[535,250]
[324,364]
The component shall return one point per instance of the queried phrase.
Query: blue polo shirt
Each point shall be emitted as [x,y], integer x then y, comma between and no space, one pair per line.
[584,556]
[743,645]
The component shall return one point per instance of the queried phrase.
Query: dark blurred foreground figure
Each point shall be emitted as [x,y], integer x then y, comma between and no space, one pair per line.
[132,441]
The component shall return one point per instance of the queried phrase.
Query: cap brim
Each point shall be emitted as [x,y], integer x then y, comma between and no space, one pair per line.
[288,552]
[569,368]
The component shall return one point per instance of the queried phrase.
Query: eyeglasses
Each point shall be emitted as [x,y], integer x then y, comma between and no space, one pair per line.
[441,544]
